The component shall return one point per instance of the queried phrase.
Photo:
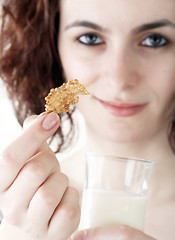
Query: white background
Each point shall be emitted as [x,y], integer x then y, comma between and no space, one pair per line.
[9,127]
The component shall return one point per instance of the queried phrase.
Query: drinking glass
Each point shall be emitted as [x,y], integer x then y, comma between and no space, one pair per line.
[115,191]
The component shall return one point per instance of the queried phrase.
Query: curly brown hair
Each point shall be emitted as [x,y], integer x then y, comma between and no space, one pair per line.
[29,59]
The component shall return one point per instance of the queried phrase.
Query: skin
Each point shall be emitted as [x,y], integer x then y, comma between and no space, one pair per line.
[128,71]
[121,69]
[125,60]
[43,206]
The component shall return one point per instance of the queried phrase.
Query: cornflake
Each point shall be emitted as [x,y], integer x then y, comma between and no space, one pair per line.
[59,99]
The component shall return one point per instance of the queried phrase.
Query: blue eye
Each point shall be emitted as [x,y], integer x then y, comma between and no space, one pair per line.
[90,39]
[155,41]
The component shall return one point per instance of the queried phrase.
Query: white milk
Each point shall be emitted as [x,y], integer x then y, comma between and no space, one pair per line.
[104,207]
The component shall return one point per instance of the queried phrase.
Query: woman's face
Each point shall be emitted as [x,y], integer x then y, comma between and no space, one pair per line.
[124,53]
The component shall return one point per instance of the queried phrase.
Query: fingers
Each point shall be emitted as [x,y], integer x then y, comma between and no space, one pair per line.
[45,201]
[34,193]
[28,121]
[66,215]
[36,134]
[29,179]
[25,146]
[118,232]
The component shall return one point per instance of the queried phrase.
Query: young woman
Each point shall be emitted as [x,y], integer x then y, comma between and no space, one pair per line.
[123,52]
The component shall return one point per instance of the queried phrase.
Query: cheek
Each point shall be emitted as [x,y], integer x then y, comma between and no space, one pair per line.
[76,69]
[75,65]
[162,79]
[163,86]
[167,85]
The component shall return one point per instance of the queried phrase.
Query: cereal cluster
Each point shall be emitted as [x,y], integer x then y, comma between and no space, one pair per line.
[59,99]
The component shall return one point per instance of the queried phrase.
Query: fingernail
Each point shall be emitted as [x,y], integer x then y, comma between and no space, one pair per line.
[50,121]
[79,235]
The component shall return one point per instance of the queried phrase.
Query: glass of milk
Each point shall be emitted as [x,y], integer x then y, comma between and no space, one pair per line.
[115,191]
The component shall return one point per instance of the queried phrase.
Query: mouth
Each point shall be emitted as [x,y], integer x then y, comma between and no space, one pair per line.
[122,109]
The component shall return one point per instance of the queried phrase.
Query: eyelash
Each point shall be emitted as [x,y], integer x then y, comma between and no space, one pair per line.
[92,40]
[159,41]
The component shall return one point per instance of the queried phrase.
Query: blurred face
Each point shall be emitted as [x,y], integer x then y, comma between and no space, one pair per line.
[124,53]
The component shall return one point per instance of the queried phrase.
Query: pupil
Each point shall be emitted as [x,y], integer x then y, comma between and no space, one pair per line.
[155,39]
[92,38]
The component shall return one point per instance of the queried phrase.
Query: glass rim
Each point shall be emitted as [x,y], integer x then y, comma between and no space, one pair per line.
[119,157]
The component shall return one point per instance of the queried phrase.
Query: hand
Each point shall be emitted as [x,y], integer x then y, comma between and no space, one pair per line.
[115,232]
[34,194]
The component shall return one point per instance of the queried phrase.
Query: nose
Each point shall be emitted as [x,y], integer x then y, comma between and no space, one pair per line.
[122,70]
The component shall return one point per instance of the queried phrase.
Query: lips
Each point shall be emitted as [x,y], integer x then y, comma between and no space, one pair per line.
[122,109]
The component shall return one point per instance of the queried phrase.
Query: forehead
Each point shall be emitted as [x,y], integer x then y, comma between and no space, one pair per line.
[104,11]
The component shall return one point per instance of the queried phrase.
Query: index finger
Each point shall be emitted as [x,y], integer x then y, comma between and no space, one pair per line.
[25,146]
[28,121]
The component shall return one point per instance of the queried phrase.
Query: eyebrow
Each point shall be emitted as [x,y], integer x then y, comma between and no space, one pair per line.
[153,25]
[86,24]
[142,28]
